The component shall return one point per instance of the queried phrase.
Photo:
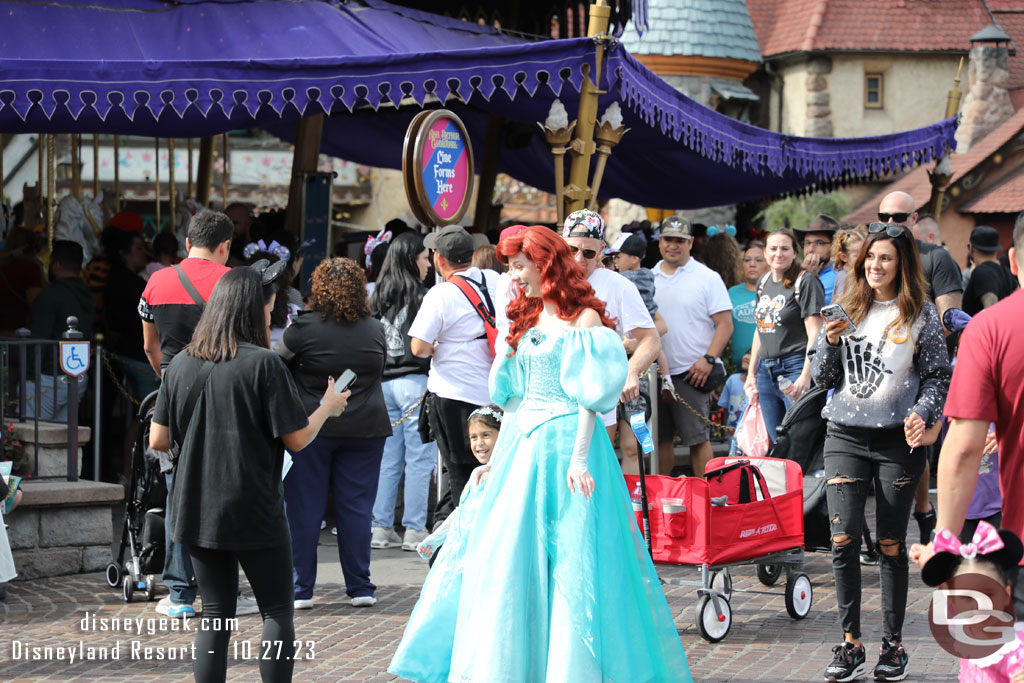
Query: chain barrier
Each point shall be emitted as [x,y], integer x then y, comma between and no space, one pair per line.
[666,383]
[117,380]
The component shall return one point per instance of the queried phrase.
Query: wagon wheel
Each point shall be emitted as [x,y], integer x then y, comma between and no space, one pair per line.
[721,582]
[150,587]
[713,627]
[768,574]
[799,595]
[128,588]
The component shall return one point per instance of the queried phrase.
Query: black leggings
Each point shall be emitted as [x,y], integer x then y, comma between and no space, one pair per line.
[269,571]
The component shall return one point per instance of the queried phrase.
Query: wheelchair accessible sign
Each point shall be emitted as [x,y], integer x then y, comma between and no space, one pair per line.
[74,357]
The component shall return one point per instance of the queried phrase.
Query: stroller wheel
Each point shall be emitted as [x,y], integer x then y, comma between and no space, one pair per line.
[713,627]
[128,588]
[799,595]
[113,575]
[150,587]
[721,582]
[768,574]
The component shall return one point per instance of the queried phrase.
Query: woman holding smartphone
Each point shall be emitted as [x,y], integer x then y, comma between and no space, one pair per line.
[890,378]
[787,320]
[338,334]
[226,503]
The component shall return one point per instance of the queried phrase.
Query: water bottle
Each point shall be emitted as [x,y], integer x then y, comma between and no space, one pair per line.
[786,386]
[636,497]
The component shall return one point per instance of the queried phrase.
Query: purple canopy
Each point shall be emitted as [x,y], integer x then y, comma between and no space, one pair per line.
[198,68]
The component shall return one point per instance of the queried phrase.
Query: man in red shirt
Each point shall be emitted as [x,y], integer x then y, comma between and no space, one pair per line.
[170,312]
[987,386]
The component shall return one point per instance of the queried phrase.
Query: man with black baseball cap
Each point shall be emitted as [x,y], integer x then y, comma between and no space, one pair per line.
[817,243]
[990,281]
[450,331]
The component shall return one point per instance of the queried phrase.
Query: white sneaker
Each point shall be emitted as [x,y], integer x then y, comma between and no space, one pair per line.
[304,603]
[413,538]
[384,538]
[323,524]
[334,531]
[365,600]
[245,606]
[174,609]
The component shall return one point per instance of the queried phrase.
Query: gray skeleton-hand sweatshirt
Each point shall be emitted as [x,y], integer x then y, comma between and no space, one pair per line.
[882,373]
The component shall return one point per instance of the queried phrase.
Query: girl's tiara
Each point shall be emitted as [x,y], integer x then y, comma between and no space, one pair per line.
[487,411]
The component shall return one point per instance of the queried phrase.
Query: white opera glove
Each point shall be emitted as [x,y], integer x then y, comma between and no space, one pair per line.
[578,477]
[431,543]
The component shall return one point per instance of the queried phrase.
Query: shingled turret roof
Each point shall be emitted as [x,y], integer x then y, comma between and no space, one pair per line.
[698,28]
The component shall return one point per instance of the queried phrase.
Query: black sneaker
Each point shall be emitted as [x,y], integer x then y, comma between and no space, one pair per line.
[892,662]
[926,523]
[848,663]
[869,558]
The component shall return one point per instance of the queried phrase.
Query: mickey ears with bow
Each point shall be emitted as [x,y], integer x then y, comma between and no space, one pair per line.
[383,237]
[276,248]
[729,230]
[1003,548]
[270,272]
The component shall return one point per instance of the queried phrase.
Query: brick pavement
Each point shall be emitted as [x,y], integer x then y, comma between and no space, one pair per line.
[356,645]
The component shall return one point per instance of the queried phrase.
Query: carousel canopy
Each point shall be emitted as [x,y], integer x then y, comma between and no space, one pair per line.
[197,68]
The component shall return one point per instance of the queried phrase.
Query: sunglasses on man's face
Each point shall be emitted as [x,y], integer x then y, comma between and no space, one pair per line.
[895,217]
[890,229]
[587,253]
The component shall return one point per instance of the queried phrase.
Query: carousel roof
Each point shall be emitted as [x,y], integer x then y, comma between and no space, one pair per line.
[195,68]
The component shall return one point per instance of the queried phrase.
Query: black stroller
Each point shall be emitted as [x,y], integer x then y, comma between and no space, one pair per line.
[143,532]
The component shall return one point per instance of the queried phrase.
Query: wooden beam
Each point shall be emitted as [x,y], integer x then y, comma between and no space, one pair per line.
[307,154]
[204,171]
[488,172]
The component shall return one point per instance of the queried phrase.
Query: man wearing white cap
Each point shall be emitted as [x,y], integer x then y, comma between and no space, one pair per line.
[583,231]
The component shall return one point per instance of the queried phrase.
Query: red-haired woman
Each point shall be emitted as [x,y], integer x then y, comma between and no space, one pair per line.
[552,576]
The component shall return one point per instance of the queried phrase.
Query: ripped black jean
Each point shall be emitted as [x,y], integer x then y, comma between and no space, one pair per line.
[853,459]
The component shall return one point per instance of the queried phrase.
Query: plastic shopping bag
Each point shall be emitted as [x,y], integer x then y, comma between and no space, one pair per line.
[751,432]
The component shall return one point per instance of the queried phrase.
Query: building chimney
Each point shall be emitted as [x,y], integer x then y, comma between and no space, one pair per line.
[987,103]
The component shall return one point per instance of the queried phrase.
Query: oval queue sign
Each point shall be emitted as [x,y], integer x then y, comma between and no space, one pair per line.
[437,165]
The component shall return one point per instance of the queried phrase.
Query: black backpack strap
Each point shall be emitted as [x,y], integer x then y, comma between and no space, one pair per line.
[193,398]
[190,288]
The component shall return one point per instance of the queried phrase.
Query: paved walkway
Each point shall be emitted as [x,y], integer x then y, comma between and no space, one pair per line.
[350,644]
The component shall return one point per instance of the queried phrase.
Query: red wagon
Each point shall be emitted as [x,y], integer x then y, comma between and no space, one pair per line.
[745,511]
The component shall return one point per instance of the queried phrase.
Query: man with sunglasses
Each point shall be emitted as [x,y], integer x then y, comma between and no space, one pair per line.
[583,231]
[945,289]
[817,244]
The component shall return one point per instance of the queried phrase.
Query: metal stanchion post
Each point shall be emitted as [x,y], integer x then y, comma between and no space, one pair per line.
[97,402]
[72,334]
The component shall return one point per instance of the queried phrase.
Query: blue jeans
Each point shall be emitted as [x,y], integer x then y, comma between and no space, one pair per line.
[178,574]
[53,386]
[774,403]
[349,468]
[404,450]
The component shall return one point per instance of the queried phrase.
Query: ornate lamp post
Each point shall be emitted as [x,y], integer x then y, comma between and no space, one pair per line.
[608,134]
[558,132]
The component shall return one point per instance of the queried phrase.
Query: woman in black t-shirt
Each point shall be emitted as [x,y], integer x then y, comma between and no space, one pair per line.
[787,317]
[226,502]
[337,334]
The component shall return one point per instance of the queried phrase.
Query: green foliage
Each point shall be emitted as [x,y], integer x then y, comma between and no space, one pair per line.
[797,212]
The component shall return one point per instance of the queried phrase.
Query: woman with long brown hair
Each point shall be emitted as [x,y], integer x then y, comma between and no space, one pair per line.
[890,377]
[225,502]
[337,334]
[787,319]
[552,574]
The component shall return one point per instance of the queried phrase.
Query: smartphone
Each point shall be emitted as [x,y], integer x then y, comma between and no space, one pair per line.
[836,312]
[345,381]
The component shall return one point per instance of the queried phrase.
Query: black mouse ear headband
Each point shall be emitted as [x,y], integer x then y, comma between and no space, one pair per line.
[269,272]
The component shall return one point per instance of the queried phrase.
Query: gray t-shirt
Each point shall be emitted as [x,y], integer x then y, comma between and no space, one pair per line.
[780,317]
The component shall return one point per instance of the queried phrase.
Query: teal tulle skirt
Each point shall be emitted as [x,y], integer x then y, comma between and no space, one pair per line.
[535,583]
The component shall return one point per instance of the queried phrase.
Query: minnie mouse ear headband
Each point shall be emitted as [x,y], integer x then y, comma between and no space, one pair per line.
[1001,547]
[269,272]
[276,248]
[729,230]
[583,223]
[383,237]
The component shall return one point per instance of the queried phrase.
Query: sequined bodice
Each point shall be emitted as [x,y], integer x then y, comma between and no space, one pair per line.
[540,355]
